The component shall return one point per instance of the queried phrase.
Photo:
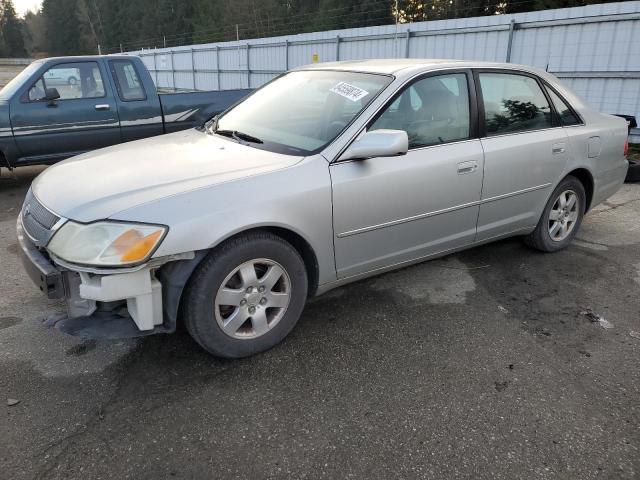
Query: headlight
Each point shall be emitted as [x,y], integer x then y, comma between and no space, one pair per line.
[109,244]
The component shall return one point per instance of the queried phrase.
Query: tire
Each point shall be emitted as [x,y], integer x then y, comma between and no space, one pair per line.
[569,216]
[633,174]
[72,81]
[222,294]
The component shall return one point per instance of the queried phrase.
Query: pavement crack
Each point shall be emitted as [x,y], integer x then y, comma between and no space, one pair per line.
[69,440]
[614,206]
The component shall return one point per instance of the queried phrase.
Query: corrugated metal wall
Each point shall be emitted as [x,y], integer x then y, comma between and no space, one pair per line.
[594,49]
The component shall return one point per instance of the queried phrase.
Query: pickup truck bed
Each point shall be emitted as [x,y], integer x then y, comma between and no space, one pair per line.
[188,109]
[60,107]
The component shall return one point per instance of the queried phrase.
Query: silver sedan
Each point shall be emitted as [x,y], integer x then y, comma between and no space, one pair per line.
[328,174]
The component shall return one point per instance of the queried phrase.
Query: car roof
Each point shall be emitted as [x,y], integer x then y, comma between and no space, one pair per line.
[393,66]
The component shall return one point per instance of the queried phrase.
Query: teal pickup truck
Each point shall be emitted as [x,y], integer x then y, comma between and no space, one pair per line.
[60,107]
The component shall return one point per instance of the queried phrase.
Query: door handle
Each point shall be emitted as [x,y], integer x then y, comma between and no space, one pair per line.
[103,106]
[558,148]
[467,167]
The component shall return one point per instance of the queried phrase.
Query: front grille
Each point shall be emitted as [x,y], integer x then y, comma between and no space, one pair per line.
[37,220]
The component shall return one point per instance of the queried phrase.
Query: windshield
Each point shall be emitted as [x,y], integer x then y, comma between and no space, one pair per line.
[10,88]
[301,112]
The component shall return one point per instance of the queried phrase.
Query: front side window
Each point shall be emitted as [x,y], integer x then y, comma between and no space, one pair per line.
[567,116]
[513,103]
[432,110]
[301,112]
[127,80]
[74,80]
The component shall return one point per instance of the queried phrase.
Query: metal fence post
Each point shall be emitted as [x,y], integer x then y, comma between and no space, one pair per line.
[155,67]
[286,55]
[337,47]
[248,69]
[173,72]
[512,26]
[217,68]
[193,68]
[406,47]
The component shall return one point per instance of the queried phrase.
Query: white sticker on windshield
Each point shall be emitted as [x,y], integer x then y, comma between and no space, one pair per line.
[349,91]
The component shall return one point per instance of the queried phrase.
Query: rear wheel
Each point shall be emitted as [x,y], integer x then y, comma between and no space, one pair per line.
[246,296]
[561,217]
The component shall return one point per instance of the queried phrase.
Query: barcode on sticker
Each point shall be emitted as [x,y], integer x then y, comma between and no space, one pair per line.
[349,91]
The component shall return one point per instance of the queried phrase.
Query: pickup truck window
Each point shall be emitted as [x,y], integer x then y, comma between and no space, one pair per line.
[127,80]
[36,93]
[72,80]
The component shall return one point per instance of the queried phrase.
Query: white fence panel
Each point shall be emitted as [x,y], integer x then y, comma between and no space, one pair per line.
[594,49]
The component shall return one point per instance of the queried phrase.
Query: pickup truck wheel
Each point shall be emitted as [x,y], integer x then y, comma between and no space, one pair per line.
[246,295]
[561,217]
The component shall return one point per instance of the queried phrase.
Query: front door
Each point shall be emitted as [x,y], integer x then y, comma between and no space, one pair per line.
[525,153]
[84,118]
[392,210]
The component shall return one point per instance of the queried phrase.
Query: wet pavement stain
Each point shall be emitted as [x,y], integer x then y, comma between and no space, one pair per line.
[81,348]
[6,322]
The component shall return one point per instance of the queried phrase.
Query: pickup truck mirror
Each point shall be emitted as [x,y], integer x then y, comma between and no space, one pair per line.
[378,143]
[51,94]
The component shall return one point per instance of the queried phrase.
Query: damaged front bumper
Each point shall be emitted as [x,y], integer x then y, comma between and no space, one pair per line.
[112,303]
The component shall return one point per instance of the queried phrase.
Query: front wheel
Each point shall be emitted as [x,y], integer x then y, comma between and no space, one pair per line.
[561,217]
[246,295]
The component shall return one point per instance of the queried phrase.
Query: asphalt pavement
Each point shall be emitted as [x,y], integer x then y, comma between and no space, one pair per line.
[495,363]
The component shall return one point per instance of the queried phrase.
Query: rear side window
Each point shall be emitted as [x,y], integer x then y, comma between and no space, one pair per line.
[567,115]
[513,103]
[127,80]
[432,111]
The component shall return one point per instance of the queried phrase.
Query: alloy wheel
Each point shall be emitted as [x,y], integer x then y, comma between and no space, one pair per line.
[563,215]
[252,299]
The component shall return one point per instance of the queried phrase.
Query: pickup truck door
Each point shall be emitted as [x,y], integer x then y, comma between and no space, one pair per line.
[83,118]
[138,103]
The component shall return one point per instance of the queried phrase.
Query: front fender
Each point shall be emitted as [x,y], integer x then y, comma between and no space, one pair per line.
[297,199]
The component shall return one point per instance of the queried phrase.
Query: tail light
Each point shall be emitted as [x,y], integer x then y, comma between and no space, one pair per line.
[626,147]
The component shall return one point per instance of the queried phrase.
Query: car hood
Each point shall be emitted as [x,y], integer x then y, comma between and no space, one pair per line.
[101,183]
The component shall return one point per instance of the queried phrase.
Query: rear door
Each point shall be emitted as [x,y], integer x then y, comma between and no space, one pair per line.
[525,151]
[82,119]
[392,210]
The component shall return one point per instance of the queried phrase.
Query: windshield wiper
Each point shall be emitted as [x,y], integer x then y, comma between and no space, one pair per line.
[210,125]
[240,137]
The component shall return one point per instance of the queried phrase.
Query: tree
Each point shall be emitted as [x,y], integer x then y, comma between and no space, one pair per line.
[34,34]
[12,42]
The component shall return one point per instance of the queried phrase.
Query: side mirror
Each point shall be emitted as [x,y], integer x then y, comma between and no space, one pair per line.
[378,143]
[51,94]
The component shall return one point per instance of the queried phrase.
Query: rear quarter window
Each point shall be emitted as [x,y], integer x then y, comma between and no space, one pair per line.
[567,116]
[127,80]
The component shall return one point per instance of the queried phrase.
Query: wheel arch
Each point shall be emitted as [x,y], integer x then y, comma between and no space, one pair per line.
[586,179]
[3,160]
[174,276]
[296,240]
